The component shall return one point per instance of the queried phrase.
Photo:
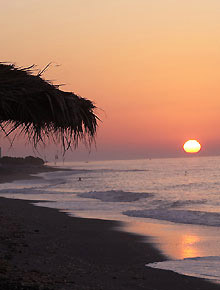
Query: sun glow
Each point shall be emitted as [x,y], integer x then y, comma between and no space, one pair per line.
[192,146]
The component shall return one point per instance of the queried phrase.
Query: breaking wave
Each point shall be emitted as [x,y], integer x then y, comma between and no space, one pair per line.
[178,216]
[193,267]
[115,195]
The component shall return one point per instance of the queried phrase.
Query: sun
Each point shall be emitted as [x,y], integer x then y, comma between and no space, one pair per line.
[192,146]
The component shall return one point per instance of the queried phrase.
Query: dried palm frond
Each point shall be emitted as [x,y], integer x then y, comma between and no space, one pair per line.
[40,110]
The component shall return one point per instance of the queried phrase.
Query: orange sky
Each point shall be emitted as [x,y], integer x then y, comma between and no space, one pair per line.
[152,66]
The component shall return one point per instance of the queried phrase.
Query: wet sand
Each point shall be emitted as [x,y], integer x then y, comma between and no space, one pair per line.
[42,248]
[18,172]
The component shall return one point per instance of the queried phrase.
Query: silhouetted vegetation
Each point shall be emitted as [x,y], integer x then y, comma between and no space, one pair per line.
[29,160]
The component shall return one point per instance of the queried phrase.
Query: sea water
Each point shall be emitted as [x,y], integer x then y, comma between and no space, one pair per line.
[176,201]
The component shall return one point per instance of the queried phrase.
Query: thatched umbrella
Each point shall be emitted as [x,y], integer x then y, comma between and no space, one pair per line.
[40,110]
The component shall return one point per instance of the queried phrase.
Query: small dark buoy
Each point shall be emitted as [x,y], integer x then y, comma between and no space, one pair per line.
[80,179]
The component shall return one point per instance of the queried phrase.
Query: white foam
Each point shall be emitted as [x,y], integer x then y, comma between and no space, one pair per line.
[115,195]
[202,267]
[178,216]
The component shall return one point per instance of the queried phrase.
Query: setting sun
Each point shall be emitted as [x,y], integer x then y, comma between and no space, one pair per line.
[192,146]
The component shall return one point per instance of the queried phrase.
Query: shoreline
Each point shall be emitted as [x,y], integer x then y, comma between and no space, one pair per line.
[43,248]
[20,172]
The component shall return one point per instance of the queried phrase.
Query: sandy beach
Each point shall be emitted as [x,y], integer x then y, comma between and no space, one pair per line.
[42,248]
[17,172]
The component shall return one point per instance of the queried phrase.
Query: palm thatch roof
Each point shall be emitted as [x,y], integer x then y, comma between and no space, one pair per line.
[40,110]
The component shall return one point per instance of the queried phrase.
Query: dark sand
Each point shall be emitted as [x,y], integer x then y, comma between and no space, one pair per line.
[16,172]
[42,248]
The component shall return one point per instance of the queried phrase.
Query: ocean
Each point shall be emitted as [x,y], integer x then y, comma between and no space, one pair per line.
[175,202]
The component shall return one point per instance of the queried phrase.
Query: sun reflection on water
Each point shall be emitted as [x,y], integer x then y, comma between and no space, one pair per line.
[189,246]
[176,241]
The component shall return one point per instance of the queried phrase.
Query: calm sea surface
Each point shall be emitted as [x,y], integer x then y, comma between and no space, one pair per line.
[175,201]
